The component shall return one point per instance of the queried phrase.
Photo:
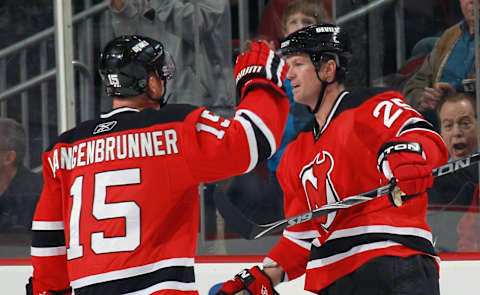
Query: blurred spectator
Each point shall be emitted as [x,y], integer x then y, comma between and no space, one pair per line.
[449,66]
[297,14]
[458,124]
[272,26]
[205,73]
[20,19]
[451,195]
[420,18]
[19,187]
[396,80]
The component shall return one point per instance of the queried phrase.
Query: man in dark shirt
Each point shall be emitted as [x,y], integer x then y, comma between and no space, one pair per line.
[19,187]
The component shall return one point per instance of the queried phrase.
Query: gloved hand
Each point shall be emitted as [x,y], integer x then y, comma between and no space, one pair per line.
[406,162]
[259,66]
[254,280]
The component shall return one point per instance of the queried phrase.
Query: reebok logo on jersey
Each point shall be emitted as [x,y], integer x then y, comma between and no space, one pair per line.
[247,70]
[104,127]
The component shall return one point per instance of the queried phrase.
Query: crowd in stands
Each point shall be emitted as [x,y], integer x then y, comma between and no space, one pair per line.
[441,89]
[204,64]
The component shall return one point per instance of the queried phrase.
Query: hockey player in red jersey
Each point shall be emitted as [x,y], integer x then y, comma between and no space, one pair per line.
[119,210]
[358,141]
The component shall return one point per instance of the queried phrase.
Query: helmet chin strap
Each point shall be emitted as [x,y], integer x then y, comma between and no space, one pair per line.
[322,93]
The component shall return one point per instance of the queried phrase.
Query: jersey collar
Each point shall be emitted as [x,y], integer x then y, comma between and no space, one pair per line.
[316,128]
[117,111]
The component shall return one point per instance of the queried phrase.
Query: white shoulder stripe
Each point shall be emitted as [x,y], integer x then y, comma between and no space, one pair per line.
[298,237]
[279,72]
[308,234]
[47,225]
[262,126]
[268,65]
[51,251]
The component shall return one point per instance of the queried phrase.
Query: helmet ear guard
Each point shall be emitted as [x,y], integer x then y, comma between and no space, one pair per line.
[127,62]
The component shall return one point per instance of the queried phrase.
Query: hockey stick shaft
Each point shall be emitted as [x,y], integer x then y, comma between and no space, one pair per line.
[251,230]
[449,168]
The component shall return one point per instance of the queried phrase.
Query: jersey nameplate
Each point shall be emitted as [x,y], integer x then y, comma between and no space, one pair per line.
[110,148]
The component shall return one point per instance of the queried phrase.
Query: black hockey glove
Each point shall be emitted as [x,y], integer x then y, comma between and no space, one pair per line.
[259,66]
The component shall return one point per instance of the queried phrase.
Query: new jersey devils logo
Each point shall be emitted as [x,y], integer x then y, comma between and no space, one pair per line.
[318,186]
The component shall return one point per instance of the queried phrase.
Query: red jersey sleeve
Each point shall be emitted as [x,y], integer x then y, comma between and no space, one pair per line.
[216,147]
[388,118]
[295,263]
[49,261]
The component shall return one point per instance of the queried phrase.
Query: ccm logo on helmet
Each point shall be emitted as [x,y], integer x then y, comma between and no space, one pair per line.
[248,70]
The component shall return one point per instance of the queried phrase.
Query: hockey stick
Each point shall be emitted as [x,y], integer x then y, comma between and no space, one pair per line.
[251,230]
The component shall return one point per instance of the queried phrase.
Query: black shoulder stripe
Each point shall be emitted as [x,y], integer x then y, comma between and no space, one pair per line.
[263,146]
[356,97]
[127,121]
[418,125]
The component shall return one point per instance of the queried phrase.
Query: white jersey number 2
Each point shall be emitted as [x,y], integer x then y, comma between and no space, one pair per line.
[389,116]
[101,210]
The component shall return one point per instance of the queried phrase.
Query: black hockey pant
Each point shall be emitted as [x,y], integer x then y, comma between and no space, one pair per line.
[388,275]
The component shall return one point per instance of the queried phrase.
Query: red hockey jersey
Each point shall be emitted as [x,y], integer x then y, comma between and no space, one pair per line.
[119,210]
[338,161]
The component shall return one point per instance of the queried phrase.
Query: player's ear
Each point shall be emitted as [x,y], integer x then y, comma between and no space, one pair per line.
[328,70]
[156,86]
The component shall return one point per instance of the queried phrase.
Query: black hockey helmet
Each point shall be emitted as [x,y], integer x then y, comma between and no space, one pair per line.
[127,61]
[320,42]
